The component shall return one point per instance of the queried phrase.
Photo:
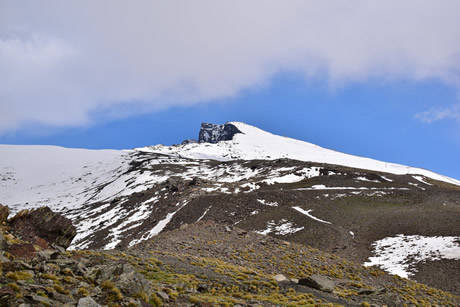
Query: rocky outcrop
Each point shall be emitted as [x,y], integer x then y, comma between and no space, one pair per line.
[319,282]
[210,133]
[42,226]
[4,212]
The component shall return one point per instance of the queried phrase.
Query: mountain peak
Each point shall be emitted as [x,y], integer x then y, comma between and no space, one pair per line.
[246,142]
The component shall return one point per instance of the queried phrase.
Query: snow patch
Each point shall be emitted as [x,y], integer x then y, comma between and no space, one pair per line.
[365,179]
[307,213]
[297,176]
[205,212]
[421,179]
[282,228]
[398,255]
[266,203]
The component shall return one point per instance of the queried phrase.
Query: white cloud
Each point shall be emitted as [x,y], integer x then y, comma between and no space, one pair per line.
[60,61]
[439,113]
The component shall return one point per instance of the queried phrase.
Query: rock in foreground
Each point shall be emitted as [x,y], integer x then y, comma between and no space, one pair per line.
[42,226]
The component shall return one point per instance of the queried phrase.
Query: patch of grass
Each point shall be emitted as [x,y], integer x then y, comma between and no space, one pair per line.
[113,293]
[156,301]
[20,275]
[83,292]
[59,289]
[14,287]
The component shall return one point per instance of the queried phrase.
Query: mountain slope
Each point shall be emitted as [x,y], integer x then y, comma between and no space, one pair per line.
[204,264]
[260,182]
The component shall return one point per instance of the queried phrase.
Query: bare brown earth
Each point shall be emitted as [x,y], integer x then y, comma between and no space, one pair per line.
[440,274]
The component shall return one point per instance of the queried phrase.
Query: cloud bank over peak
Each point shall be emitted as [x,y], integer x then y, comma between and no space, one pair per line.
[72,59]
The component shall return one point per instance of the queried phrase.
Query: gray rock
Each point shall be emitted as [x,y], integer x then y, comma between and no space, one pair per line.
[366,291]
[4,259]
[49,269]
[319,282]
[47,254]
[59,248]
[39,299]
[63,262]
[87,302]
[105,272]
[131,282]
[81,269]
[65,299]
[163,296]
[279,277]
[25,266]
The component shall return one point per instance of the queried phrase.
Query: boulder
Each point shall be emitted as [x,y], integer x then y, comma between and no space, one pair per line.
[87,302]
[47,254]
[64,299]
[22,250]
[39,299]
[164,297]
[319,282]
[279,277]
[133,283]
[42,223]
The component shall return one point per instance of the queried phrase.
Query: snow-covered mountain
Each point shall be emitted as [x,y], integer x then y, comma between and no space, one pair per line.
[251,143]
[65,178]
[238,175]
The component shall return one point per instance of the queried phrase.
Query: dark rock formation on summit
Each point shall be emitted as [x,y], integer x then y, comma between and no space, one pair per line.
[210,133]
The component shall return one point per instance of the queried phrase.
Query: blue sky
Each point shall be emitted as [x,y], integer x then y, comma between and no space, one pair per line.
[334,74]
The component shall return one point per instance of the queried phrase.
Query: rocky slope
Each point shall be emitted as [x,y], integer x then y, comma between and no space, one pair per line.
[354,207]
[203,264]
